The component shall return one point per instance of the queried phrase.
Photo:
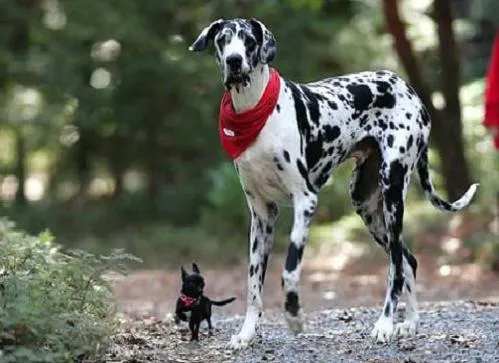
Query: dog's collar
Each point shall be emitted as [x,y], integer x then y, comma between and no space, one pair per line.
[238,131]
[189,301]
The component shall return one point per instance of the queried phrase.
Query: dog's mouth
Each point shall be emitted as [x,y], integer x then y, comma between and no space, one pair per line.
[237,79]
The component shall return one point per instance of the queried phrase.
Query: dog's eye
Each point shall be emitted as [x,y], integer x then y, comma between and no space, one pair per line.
[221,40]
[250,43]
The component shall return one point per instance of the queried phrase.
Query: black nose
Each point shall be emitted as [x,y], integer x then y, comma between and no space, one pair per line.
[234,62]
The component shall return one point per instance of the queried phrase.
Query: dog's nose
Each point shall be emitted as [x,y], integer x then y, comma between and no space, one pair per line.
[234,62]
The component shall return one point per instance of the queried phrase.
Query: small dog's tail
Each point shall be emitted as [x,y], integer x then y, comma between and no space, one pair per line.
[223,302]
[436,201]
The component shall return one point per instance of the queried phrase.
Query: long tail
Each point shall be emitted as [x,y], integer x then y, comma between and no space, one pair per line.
[424,177]
[223,302]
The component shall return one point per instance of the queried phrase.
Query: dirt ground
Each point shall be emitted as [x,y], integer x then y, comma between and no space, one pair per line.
[449,332]
[341,291]
[342,280]
[342,288]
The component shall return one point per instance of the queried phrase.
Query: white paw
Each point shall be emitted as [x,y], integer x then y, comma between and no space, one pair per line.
[407,328]
[295,323]
[239,342]
[383,330]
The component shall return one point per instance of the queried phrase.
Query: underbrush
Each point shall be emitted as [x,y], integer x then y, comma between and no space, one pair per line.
[161,245]
[54,306]
[426,229]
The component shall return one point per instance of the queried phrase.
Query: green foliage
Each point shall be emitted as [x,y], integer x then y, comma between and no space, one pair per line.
[227,203]
[485,10]
[160,244]
[480,146]
[106,93]
[54,306]
[334,199]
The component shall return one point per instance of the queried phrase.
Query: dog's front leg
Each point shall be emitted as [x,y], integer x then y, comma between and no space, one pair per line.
[304,209]
[263,217]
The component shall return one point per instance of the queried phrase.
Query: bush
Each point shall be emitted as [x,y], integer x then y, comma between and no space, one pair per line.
[54,306]
[227,210]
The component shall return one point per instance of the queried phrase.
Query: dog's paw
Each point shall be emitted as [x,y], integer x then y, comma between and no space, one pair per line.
[383,330]
[407,328]
[295,323]
[239,341]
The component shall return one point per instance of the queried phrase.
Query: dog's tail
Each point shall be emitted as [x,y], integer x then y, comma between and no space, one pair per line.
[223,302]
[436,201]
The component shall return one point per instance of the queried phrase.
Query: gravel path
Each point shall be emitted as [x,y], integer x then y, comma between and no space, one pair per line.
[449,332]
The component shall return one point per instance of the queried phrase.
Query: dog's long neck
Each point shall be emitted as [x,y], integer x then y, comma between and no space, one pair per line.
[245,98]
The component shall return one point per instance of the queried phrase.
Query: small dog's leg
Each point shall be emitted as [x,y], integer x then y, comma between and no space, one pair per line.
[196,330]
[394,189]
[192,328]
[180,315]
[263,216]
[210,327]
[304,209]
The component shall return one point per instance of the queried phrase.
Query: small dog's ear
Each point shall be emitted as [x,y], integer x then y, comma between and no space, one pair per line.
[195,268]
[266,40]
[184,273]
[206,35]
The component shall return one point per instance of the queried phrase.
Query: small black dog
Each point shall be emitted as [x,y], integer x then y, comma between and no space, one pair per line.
[193,301]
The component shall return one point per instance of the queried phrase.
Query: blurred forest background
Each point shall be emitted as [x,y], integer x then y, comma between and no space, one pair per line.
[108,124]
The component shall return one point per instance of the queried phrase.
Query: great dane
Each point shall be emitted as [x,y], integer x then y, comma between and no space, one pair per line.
[374,117]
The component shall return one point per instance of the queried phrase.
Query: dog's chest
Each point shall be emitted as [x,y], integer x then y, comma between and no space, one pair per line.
[262,168]
[259,175]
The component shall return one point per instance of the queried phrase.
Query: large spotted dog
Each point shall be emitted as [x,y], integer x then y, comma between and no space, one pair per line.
[374,117]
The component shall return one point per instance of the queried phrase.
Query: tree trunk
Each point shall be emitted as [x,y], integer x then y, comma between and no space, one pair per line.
[117,164]
[18,43]
[118,182]
[449,130]
[84,144]
[20,169]
[82,163]
[153,164]
[447,133]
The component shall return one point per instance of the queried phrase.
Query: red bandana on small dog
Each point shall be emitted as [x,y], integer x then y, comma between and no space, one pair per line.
[238,131]
[188,301]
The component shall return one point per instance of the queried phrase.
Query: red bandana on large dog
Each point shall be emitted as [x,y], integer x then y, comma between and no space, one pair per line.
[238,131]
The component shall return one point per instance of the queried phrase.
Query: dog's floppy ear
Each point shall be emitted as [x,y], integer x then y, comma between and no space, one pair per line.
[184,273]
[195,268]
[266,40]
[206,35]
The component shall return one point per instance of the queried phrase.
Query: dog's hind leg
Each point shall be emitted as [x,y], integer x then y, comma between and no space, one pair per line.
[304,208]
[394,181]
[365,191]
[263,217]
[367,198]
[409,326]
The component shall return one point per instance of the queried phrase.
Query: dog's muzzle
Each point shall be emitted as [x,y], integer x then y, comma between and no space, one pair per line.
[235,72]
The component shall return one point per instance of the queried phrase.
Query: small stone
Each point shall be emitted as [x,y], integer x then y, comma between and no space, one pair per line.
[346,317]
[407,346]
